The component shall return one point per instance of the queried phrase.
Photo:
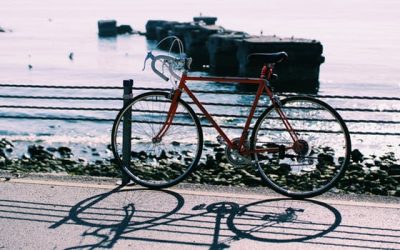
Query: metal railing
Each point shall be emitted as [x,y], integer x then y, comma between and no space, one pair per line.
[128,91]
[368,111]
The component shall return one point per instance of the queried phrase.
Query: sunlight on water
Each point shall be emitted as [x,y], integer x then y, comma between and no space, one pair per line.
[361,47]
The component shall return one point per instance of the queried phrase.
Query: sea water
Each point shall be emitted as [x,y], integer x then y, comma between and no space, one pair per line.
[360,38]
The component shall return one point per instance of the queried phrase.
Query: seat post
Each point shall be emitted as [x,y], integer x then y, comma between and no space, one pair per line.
[266,71]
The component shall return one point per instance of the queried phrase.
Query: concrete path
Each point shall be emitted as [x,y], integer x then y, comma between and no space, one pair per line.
[54,214]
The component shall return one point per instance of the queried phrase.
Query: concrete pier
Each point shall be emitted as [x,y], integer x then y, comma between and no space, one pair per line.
[162,32]
[179,30]
[107,28]
[151,28]
[225,52]
[207,20]
[195,42]
[222,49]
[299,73]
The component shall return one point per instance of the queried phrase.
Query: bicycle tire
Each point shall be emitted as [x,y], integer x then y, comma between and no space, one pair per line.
[325,143]
[164,163]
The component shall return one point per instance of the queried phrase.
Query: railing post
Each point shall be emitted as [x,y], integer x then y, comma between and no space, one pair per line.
[126,130]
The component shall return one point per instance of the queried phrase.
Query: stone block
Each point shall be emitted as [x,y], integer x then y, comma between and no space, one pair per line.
[107,28]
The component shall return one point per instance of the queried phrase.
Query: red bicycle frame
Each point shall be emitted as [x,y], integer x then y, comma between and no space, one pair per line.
[263,85]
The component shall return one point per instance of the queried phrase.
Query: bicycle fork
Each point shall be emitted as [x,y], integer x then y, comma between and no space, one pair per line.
[175,95]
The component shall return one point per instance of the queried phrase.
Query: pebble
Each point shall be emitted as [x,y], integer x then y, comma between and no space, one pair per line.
[356,156]
[51,149]
[376,175]
[374,169]
[96,154]
[369,162]
[2,161]
[211,144]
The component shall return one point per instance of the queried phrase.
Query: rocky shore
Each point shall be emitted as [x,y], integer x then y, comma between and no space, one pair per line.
[378,175]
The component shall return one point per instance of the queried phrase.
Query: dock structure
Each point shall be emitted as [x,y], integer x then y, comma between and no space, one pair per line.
[299,73]
[107,28]
[222,48]
[151,28]
[195,42]
[225,52]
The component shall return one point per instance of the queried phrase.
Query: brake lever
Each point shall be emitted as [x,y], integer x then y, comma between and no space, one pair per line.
[149,55]
[188,62]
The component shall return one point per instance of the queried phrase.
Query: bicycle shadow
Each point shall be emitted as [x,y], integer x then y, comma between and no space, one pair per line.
[108,216]
[123,218]
[284,220]
[275,220]
[128,213]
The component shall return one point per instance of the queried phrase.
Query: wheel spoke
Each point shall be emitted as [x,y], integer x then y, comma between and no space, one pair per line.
[163,163]
[316,161]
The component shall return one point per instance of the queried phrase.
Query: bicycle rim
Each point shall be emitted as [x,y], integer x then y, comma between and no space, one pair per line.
[158,164]
[325,150]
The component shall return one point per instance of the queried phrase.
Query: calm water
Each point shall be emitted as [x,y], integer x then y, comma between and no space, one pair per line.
[360,38]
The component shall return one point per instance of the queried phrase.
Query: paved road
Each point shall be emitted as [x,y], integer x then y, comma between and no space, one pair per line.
[54,214]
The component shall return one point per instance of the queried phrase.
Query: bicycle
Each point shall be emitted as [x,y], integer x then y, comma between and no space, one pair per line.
[299,145]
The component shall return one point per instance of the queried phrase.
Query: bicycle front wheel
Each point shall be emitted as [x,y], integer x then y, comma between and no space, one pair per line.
[316,160]
[150,162]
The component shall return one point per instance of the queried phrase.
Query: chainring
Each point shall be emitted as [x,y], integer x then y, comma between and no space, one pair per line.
[234,157]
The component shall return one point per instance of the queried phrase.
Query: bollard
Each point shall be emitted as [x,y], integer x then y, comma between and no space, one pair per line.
[126,130]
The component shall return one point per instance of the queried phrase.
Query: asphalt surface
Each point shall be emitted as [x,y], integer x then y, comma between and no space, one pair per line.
[59,212]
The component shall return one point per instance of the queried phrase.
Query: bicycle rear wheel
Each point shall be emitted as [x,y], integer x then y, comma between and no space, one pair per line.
[157,163]
[322,151]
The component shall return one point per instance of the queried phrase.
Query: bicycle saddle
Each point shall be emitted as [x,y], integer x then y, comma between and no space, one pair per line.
[268,57]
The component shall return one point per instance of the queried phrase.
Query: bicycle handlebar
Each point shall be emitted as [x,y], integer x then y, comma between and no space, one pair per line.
[169,60]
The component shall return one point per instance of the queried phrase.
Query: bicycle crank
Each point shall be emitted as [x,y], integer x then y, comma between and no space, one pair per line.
[234,157]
